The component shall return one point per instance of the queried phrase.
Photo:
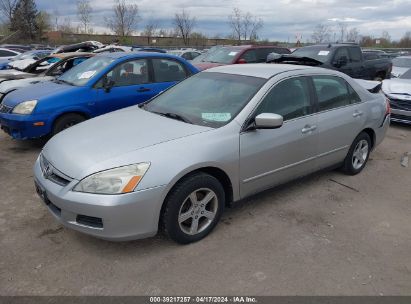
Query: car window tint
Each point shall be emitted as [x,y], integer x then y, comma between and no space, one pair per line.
[130,73]
[290,98]
[263,53]
[4,53]
[355,54]
[186,56]
[341,52]
[333,92]
[250,56]
[168,70]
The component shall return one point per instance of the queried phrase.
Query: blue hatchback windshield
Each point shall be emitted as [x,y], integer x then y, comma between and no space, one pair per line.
[82,73]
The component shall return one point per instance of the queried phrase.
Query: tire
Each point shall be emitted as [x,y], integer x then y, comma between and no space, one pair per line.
[358,154]
[66,121]
[184,218]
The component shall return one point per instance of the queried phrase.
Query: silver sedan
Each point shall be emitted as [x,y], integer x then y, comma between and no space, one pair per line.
[222,135]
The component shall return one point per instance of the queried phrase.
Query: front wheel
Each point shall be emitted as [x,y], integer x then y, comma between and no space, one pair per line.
[358,154]
[66,121]
[193,208]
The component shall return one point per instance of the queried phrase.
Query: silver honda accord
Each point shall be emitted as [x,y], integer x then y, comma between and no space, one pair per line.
[176,161]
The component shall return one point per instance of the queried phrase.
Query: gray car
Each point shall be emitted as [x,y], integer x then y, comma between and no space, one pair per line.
[221,135]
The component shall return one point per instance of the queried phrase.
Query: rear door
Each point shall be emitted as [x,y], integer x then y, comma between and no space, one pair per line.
[133,84]
[340,118]
[166,73]
[271,157]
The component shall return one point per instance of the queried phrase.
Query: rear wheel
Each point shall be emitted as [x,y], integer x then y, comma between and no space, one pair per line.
[358,154]
[66,121]
[193,208]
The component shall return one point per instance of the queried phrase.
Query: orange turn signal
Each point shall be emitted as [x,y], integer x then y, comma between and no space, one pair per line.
[131,184]
[39,124]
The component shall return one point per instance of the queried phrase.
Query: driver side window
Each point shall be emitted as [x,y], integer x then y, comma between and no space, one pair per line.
[129,73]
[342,55]
[290,99]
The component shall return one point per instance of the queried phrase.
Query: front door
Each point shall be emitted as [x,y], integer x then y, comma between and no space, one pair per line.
[132,84]
[271,157]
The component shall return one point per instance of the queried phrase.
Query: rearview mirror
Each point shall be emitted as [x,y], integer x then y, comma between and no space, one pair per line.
[268,121]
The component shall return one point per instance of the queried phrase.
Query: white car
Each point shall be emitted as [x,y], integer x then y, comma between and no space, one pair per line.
[8,54]
[400,65]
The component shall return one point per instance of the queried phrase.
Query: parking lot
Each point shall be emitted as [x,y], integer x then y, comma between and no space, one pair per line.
[327,234]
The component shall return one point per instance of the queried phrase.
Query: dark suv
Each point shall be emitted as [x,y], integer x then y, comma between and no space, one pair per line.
[237,54]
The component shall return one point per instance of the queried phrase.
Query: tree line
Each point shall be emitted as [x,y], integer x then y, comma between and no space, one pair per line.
[22,16]
[323,33]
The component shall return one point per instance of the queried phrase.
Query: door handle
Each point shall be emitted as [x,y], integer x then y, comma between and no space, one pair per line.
[357,114]
[142,90]
[308,129]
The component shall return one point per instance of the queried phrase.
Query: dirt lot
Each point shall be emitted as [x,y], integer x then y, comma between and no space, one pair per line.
[311,237]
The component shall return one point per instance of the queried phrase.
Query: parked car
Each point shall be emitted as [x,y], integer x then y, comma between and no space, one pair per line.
[237,54]
[213,139]
[148,49]
[400,65]
[86,46]
[112,49]
[346,58]
[22,61]
[104,83]
[398,91]
[60,63]
[186,54]
[53,65]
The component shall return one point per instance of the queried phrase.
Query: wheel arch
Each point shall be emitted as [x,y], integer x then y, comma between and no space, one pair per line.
[372,135]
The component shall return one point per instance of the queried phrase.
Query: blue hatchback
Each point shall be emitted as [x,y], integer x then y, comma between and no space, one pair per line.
[102,84]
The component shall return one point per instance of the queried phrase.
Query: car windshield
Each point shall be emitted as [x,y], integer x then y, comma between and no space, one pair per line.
[223,55]
[402,62]
[82,73]
[318,53]
[406,75]
[215,101]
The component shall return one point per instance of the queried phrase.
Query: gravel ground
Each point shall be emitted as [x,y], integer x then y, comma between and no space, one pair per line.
[327,234]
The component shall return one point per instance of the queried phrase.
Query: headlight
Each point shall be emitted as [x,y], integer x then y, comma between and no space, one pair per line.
[114,181]
[25,107]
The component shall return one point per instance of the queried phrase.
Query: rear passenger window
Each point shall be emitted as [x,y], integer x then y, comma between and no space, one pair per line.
[290,98]
[168,70]
[334,92]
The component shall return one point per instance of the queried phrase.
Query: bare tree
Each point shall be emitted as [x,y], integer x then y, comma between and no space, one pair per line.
[125,19]
[84,11]
[66,26]
[353,35]
[321,33]
[150,30]
[184,24]
[7,8]
[236,23]
[244,25]
[342,28]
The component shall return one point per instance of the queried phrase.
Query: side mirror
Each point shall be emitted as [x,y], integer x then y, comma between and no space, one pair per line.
[268,121]
[108,84]
[241,61]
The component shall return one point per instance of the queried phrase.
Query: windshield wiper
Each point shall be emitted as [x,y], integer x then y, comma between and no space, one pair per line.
[63,81]
[174,116]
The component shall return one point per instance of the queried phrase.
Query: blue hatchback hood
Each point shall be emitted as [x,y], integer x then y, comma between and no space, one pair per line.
[37,91]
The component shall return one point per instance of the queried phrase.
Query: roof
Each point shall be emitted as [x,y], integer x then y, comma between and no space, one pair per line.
[71,54]
[139,54]
[260,70]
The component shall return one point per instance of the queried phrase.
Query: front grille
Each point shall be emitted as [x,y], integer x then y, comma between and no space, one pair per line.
[5,109]
[90,221]
[400,104]
[401,118]
[52,174]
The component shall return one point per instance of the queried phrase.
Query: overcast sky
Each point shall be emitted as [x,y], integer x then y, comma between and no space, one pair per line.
[283,19]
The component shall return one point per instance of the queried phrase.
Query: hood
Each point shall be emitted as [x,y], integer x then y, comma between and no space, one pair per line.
[11,85]
[398,71]
[13,74]
[21,64]
[78,149]
[37,91]
[292,59]
[206,65]
[397,88]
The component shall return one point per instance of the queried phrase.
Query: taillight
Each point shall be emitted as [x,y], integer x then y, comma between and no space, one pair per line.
[387,106]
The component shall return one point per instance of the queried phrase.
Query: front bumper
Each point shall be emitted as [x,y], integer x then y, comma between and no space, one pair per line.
[402,116]
[111,217]
[22,126]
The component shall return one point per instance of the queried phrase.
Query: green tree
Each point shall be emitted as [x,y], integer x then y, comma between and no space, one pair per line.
[24,19]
